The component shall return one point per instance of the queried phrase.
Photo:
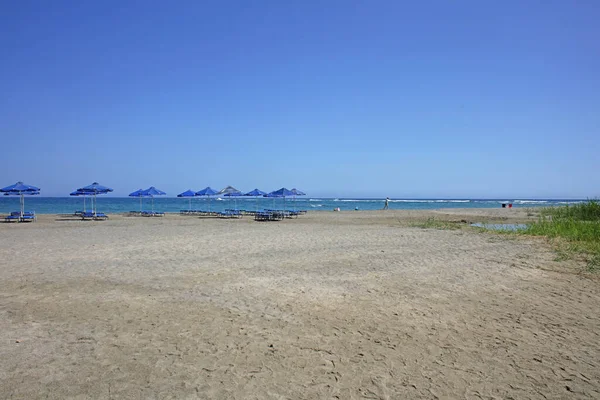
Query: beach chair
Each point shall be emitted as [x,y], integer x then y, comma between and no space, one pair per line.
[153,214]
[29,216]
[100,217]
[237,213]
[14,216]
[231,214]
[277,215]
[263,216]
[96,217]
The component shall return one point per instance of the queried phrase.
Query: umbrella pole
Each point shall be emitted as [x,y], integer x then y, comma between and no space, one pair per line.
[22,205]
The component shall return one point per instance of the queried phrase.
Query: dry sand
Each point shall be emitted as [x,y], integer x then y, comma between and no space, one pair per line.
[331,305]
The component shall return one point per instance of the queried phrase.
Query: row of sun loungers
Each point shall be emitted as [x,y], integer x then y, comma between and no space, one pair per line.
[199,212]
[85,215]
[264,215]
[147,213]
[276,215]
[94,216]
[15,216]
[231,214]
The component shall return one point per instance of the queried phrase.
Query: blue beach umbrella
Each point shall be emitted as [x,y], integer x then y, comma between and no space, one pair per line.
[283,192]
[138,193]
[93,190]
[256,193]
[151,192]
[188,193]
[207,191]
[20,189]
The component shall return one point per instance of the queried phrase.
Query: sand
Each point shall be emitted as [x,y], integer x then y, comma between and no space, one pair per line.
[346,305]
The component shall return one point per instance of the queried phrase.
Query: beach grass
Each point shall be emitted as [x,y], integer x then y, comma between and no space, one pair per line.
[432,223]
[574,228]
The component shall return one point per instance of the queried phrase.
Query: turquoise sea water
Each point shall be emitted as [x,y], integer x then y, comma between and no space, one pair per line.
[67,205]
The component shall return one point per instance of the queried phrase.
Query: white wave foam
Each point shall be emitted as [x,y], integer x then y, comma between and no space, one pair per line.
[316,205]
[315,200]
[410,201]
[530,201]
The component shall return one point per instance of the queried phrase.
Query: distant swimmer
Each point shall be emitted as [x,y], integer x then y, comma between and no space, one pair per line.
[387,203]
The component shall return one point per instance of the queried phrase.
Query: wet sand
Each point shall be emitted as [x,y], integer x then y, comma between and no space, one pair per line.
[346,305]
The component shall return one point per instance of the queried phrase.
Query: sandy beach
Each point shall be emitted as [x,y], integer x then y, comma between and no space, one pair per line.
[347,305]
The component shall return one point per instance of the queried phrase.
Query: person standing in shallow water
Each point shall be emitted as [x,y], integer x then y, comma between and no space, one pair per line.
[387,205]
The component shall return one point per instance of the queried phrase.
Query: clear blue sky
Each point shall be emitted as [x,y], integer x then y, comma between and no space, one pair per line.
[338,98]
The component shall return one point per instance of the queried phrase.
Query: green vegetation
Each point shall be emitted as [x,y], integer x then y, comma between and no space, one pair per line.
[576,228]
[432,223]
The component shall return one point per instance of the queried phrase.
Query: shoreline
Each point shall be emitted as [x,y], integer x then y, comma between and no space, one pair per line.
[446,214]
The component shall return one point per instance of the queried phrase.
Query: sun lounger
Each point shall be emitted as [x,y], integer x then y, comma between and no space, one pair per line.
[269,215]
[14,216]
[28,216]
[87,215]
[94,216]
[101,216]
[231,214]
[263,216]
[153,214]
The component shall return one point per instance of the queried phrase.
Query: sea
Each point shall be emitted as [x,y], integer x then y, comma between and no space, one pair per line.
[68,205]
